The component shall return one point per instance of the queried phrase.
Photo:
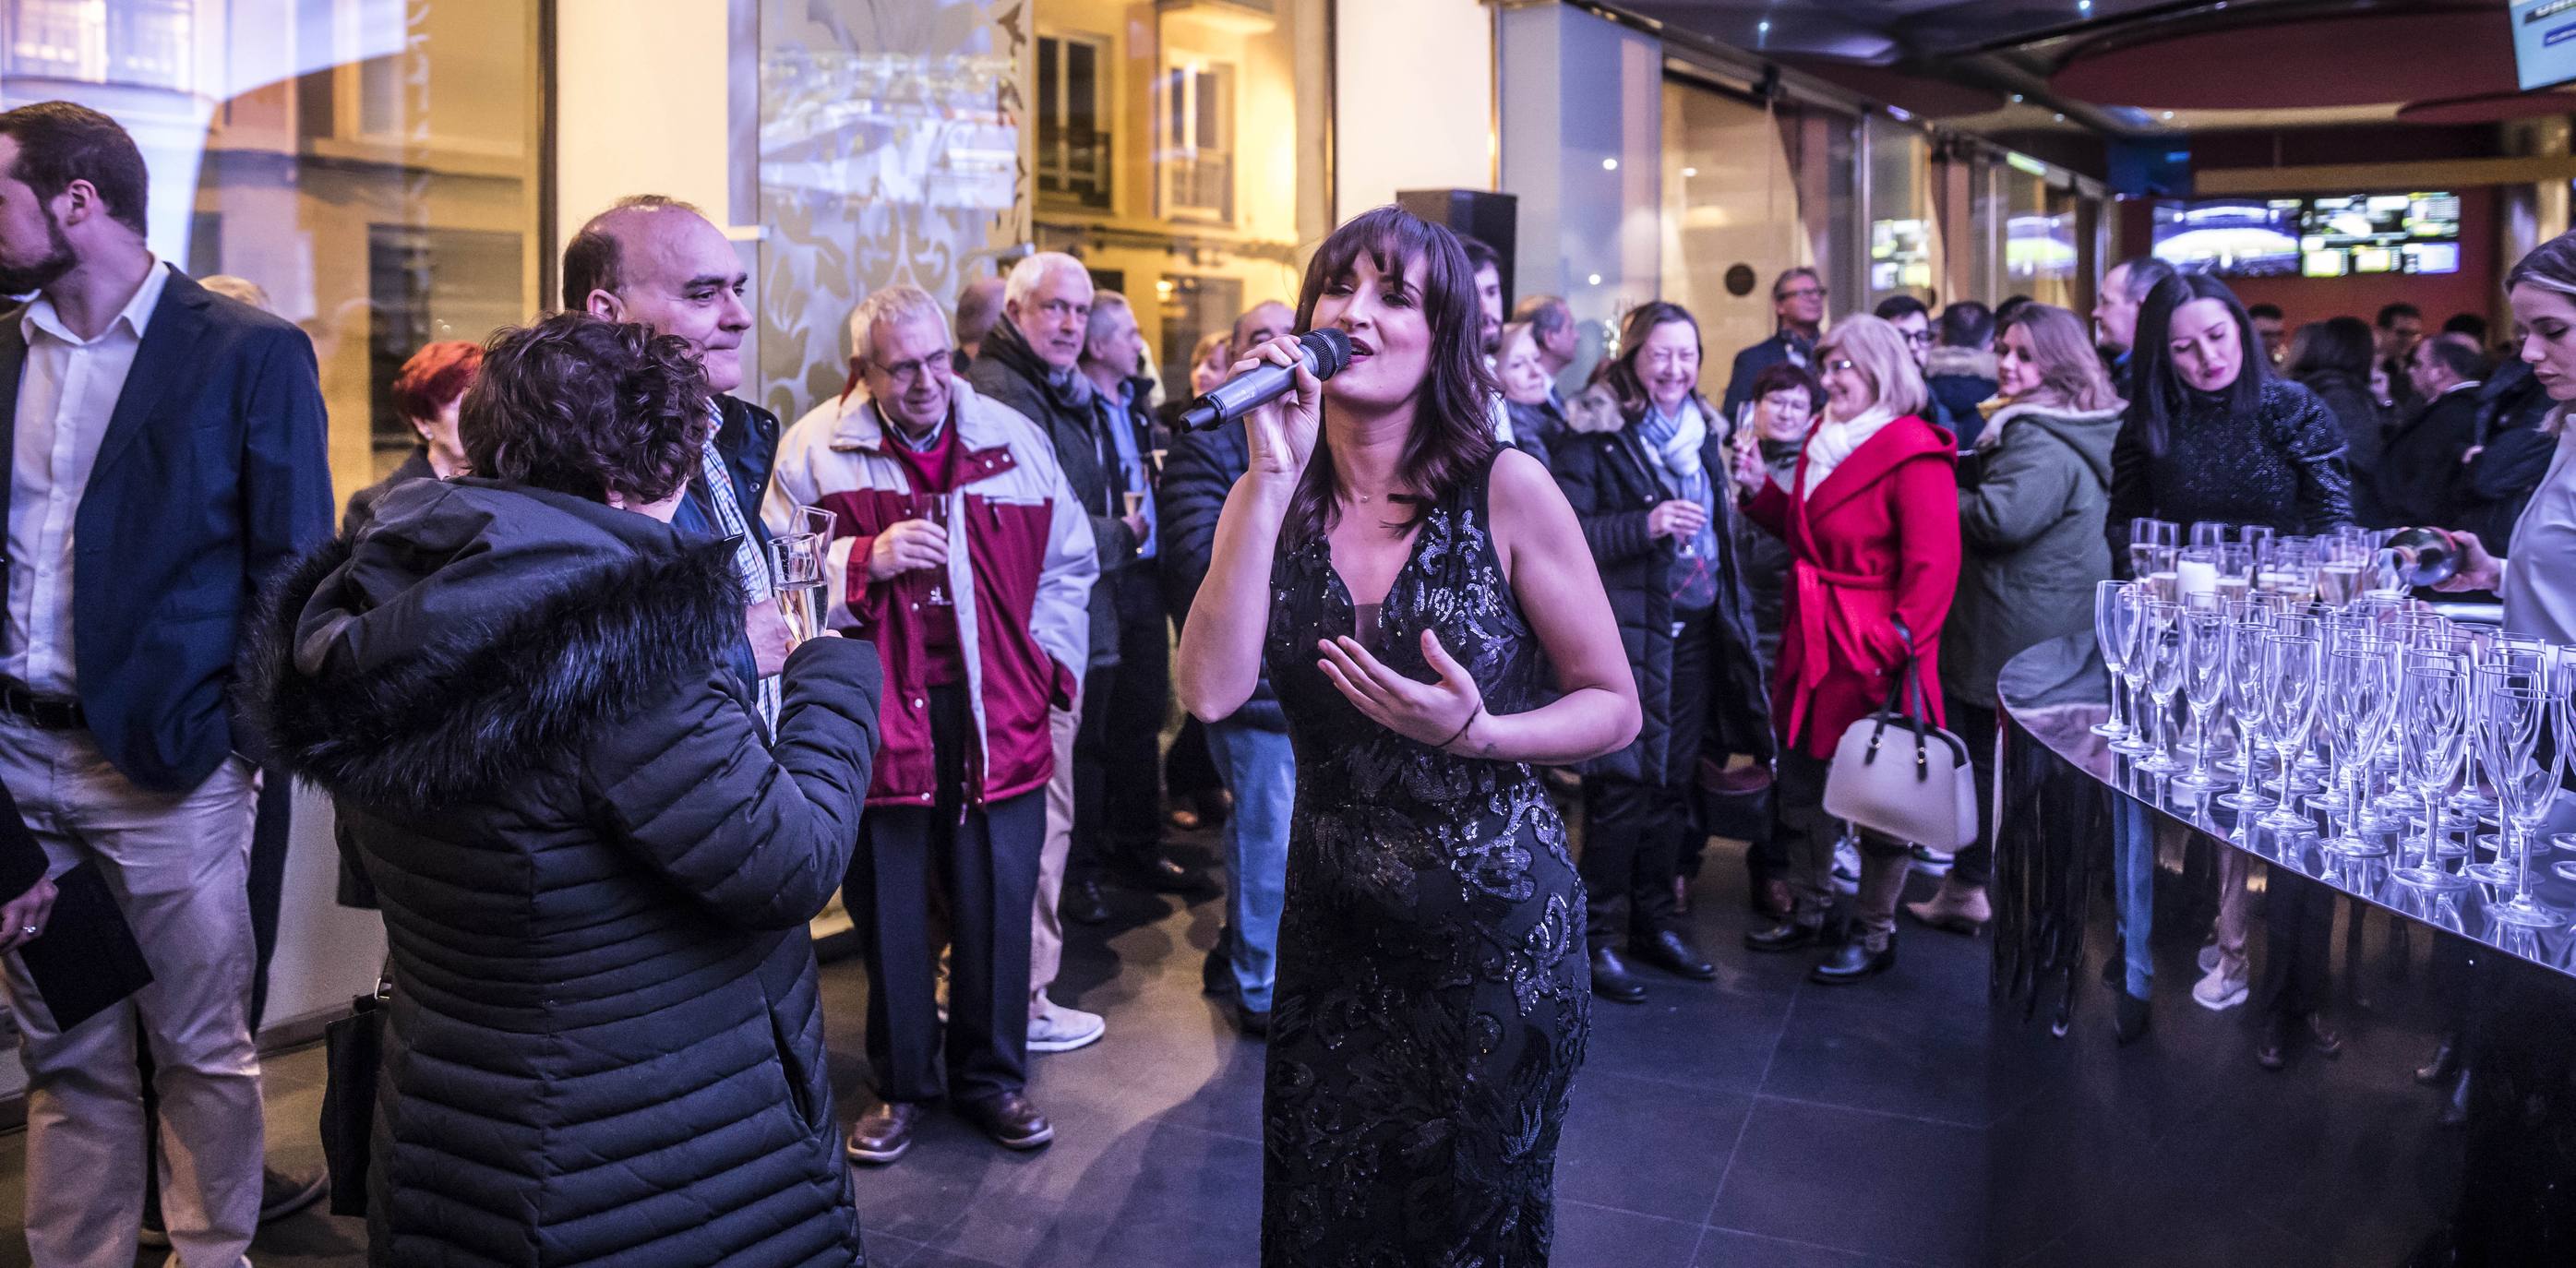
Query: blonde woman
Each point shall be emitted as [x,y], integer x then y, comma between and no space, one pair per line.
[1871,517]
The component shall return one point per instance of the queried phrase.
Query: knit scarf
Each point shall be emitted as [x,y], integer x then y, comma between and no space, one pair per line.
[1674,445]
[1835,440]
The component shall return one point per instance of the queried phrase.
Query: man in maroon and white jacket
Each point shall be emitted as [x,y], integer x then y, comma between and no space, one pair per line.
[960,550]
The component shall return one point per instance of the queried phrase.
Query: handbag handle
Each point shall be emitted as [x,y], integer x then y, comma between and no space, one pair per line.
[1908,689]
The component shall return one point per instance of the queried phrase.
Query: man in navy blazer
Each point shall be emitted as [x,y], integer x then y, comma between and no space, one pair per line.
[168,452]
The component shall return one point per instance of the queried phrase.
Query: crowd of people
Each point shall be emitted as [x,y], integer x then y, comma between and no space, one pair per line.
[1478,653]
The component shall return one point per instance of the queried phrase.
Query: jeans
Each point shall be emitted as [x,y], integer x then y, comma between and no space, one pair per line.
[1261,771]
[2133,878]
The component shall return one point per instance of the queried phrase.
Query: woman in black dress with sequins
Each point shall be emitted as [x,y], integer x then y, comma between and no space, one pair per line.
[1434,628]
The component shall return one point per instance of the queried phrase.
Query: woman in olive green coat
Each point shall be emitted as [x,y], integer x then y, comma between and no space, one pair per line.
[2031,506]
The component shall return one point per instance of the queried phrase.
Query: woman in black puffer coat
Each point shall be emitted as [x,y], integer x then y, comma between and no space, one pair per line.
[605,1041]
[1649,481]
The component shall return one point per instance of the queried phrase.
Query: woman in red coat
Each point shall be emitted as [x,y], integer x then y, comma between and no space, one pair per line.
[1872,523]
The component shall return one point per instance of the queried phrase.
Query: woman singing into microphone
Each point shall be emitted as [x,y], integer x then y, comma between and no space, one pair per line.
[1434,627]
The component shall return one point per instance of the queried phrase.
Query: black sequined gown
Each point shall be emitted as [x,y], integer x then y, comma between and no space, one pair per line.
[1433,995]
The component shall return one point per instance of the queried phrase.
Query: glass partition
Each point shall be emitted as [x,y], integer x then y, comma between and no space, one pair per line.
[2039,244]
[1904,239]
[373,167]
[1732,213]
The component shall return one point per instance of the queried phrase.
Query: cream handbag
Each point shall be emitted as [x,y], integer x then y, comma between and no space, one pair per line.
[1898,775]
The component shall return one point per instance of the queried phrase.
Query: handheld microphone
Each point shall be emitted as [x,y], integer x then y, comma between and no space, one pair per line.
[1327,351]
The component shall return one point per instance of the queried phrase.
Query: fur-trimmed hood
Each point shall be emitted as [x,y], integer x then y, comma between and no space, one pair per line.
[478,631]
[2088,432]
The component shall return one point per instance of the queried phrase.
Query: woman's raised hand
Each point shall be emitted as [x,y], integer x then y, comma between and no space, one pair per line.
[1438,714]
[1281,432]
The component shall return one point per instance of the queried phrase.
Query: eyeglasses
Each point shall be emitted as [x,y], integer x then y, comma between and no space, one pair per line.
[1918,338]
[908,373]
[1802,292]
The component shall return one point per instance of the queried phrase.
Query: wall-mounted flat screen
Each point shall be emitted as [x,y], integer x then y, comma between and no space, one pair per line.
[2230,237]
[2544,42]
[2380,233]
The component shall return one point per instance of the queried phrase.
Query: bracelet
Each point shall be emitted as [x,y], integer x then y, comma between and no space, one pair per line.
[1461,732]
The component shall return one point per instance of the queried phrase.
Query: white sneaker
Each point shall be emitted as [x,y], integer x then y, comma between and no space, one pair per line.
[1847,865]
[1931,862]
[1062,1029]
[2220,990]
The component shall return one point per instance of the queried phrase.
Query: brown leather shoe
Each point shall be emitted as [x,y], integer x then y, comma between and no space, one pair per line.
[884,1132]
[1010,1120]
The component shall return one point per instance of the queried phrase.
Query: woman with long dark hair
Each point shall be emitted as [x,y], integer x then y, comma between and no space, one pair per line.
[2211,434]
[1657,510]
[1434,631]
[2332,358]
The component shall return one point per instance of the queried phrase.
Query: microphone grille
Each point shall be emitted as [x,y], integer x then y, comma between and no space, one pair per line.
[1332,348]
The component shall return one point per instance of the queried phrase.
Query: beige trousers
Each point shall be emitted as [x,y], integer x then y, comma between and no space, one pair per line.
[178,864]
[1046,934]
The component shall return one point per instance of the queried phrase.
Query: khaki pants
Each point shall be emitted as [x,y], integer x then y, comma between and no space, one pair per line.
[1046,935]
[178,864]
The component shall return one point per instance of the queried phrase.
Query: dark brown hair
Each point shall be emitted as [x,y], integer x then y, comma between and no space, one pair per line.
[1453,430]
[59,143]
[593,259]
[584,406]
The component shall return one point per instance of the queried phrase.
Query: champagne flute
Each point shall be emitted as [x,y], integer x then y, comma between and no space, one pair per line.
[2148,535]
[2290,665]
[2209,533]
[2160,641]
[2111,618]
[2248,622]
[2513,719]
[2134,601]
[796,564]
[2361,681]
[2432,707]
[2204,684]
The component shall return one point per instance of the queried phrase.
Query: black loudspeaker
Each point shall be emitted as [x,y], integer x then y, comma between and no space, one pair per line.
[1481,214]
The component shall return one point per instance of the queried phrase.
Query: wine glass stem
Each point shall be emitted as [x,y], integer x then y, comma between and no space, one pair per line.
[2200,756]
[2119,718]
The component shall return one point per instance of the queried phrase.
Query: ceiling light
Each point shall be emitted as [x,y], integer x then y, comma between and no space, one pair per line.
[1690,171]
[1596,279]
[2060,118]
[1609,165]
[1764,26]
[2016,99]
[2169,114]
[2083,6]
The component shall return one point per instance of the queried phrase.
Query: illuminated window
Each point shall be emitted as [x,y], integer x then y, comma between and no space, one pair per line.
[1197,153]
[1073,146]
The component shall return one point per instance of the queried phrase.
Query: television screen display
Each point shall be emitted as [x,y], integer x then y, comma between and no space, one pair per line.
[2230,237]
[2382,233]
[2039,247]
[2544,42]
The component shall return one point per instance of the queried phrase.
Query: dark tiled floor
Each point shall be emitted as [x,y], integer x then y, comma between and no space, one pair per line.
[1758,1120]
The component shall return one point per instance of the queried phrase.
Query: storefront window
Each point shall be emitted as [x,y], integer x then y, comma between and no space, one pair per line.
[373,167]
[1732,213]
[1903,239]
[2039,241]
[1181,156]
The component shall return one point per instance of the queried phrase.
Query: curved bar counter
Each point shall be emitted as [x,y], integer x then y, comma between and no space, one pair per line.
[2440,1130]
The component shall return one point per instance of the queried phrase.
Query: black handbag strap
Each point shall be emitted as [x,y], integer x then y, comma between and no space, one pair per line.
[1906,699]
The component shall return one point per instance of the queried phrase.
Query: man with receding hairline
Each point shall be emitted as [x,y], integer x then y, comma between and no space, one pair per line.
[660,262]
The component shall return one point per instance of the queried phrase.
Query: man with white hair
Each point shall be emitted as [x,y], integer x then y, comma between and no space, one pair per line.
[959,548]
[1032,362]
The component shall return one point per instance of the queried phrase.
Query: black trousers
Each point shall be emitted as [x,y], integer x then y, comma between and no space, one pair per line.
[982,862]
[1974,724]
[1636,831]
[1117,753]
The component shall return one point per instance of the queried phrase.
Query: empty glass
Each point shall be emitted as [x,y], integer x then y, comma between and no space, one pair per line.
[2432,725]
[2111,632]
[2360,694]
[2204,684]
[2160,642]
[2290,669]
[2512,714]
[2247,623]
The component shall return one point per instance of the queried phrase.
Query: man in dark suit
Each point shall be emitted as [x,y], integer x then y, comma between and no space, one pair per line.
[660,262]
[168,453]
[2421,475]
[1798,303]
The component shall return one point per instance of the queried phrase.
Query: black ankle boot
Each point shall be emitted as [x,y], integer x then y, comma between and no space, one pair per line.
[1611,979]
[1852,961]
[1673,954]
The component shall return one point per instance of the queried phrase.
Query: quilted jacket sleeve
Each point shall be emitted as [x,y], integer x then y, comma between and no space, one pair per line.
[761,835]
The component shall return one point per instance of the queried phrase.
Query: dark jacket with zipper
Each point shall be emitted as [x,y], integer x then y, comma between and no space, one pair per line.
[1198,472]
[605,1042]
[1611,484]
[2514,449]
[2420,472]
[1012,373]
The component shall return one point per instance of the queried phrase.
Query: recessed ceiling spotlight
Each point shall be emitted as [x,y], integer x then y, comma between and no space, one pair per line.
[2169,114]
[1764,26]
[2061,118]
[2016,99]
[1690,171]
[1609,165]
[1596,279]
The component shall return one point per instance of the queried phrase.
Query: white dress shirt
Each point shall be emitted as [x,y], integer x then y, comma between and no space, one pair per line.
[65,398]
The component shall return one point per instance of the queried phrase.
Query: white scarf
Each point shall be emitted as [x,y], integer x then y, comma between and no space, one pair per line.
[1833,441]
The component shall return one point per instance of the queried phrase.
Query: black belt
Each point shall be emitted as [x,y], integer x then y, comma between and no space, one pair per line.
[48,713]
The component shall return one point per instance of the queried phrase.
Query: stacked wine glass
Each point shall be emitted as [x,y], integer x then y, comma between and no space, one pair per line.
[2336,708]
